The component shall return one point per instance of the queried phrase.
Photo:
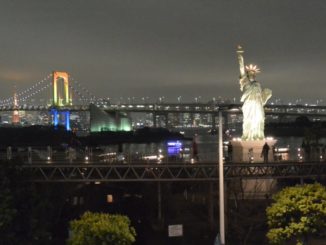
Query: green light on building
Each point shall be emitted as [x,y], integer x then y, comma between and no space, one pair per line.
[101,121]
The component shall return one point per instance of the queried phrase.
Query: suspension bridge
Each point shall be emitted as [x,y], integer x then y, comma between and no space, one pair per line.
[62,89]
[57,95]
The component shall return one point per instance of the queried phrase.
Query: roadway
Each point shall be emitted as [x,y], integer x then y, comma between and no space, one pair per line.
[163,108]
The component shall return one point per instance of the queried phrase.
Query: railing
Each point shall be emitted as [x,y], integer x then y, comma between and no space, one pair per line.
[92,172]
[110,155]
[63,155]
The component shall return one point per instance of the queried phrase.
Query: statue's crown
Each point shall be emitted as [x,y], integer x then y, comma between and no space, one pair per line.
[252,68]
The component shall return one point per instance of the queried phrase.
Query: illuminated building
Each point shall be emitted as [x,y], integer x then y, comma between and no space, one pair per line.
[102,121]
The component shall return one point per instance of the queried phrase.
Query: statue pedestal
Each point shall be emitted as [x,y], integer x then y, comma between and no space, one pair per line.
[250,150]
[253,188]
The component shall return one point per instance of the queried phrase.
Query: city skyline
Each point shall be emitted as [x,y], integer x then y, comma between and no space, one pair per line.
[165,48]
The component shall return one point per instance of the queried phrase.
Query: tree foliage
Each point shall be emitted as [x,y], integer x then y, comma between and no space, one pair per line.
[27,212]
[296,213]
[100,228]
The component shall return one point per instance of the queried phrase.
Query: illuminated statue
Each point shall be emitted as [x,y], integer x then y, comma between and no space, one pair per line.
[254,99]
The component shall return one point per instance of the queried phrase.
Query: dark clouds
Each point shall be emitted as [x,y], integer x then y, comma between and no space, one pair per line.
[152,48]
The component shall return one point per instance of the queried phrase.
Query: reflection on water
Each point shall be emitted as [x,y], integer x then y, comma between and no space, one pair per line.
[286,148]
[208,147]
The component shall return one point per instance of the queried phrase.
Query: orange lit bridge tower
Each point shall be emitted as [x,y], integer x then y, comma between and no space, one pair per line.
[61,99]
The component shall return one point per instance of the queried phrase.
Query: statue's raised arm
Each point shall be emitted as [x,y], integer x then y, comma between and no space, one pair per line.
[241,61]
[243,75]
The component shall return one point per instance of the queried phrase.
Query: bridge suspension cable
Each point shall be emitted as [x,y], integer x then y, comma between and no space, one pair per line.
[79,95]
[23,99]
[29,92]
[76,87]
[82,92]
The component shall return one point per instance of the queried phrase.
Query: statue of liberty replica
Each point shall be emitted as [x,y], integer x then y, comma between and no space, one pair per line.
[249,147]
[253,147]
[254,98]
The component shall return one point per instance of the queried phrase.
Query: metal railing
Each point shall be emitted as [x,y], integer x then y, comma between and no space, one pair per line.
[136,172]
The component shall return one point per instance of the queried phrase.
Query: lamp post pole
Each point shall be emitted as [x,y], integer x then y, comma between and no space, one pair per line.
[221,178]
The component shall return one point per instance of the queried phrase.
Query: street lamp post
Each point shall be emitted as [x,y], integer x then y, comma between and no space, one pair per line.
[221,178]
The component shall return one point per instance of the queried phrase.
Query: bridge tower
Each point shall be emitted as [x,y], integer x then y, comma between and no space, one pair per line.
[58,99]
[15,114]
[61,98]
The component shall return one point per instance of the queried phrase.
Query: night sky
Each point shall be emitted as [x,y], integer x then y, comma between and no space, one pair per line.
[171,48]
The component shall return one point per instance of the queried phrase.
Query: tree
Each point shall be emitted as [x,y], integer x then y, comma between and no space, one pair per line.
[246,217]
[27,211]
[7,214]
[296,213]
[100,228]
